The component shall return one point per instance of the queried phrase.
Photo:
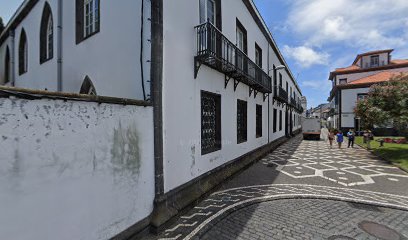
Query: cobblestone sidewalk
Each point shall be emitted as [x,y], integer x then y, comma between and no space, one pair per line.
[311,182]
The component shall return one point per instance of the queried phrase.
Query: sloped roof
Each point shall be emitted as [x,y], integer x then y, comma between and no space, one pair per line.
[371,53]
[397,63]
[376,78]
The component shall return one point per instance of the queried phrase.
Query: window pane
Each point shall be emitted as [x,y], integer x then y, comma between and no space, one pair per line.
[211,11]
[202,11]
[241,121]
[210,122]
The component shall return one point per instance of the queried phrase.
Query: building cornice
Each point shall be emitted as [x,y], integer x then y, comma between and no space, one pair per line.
[267,33]
[17,18]
[387,67]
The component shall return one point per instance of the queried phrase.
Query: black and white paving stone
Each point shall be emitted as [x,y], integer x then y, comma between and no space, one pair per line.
[297,174]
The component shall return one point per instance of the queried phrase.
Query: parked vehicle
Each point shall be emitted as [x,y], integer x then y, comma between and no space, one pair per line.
[311,128]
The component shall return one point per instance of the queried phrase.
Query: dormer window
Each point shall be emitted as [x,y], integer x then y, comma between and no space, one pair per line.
[375,61]
[343,81]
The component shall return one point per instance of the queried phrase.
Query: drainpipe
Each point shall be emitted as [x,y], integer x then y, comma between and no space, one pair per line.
[59,45]
[156,76]
[269,95]
[12,58]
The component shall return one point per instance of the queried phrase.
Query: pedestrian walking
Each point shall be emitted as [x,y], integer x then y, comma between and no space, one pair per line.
[368,136]
[340,138]
[351,136]
[331,137]
[324,133]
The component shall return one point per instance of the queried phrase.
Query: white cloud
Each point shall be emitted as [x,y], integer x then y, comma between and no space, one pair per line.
[322,85]
[306,56]
[367,24]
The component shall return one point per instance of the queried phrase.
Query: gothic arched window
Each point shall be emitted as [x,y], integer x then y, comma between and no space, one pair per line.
[46,35]
[23,53]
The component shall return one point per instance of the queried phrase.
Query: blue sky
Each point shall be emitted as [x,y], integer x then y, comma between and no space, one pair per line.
[317,36]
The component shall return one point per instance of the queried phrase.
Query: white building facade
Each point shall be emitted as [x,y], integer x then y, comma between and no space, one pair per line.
[221,92]
[353,83]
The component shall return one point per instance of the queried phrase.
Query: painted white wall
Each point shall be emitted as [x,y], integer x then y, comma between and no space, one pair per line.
[182,93]
[39,76]
[111,58]
[73,170]
[348,103]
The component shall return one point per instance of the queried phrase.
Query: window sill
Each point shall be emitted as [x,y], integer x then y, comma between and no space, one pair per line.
[89,36]
[45,60]
[209,151]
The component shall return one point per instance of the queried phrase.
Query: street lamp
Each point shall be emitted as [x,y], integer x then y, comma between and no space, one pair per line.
[277,68]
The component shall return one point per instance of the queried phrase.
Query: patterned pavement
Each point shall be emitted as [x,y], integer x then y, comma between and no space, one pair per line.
[346,167]
[298,171]
[285,219]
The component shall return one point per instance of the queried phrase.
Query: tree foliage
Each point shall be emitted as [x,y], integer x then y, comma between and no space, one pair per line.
[386,103]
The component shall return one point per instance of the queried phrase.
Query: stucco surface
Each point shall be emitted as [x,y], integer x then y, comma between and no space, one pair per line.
[73,170]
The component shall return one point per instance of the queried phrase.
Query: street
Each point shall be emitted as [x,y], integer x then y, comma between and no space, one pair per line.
[304,190]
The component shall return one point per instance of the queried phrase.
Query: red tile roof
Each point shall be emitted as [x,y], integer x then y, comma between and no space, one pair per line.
[397,63]
[376,78]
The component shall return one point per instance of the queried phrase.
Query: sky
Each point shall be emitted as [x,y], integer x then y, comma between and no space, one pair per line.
[317,36]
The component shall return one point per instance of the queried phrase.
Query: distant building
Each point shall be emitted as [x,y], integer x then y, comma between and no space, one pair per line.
[352,83]
[303,101]
[219,91]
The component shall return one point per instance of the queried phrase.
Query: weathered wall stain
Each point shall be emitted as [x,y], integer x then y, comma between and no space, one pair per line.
[71,153]
[193,160]
[125,150]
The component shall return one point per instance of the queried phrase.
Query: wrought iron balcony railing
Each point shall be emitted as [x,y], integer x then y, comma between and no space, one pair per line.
[293,102]
[280,94]
[216,51]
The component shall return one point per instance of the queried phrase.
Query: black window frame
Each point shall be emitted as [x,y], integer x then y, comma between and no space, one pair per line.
[280,80]
[46,15]
[217,128]
[258,50]
[275,78]
[242,121]
[342,81]
[378,61]
[7,63]
[241,27]
[280,120]
[22,60]
[79,21]
[258,121]
[364,95]
[275,120]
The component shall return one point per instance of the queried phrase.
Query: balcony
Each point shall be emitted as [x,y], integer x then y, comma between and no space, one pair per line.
[293,102]
[217,52]
[281,95]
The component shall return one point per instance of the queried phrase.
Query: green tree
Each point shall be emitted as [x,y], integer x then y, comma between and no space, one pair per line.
[386,103]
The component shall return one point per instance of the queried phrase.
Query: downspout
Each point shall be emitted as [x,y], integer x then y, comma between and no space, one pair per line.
[59,45]
[141,51]
[269,100]
[156,76]
[12,58]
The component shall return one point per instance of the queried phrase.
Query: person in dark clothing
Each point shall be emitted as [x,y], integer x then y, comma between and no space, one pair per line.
[351,136]
[340,138]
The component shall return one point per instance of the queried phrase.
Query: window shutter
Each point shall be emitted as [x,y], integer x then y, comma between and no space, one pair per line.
[218,15]
[79,20]
[98,17]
